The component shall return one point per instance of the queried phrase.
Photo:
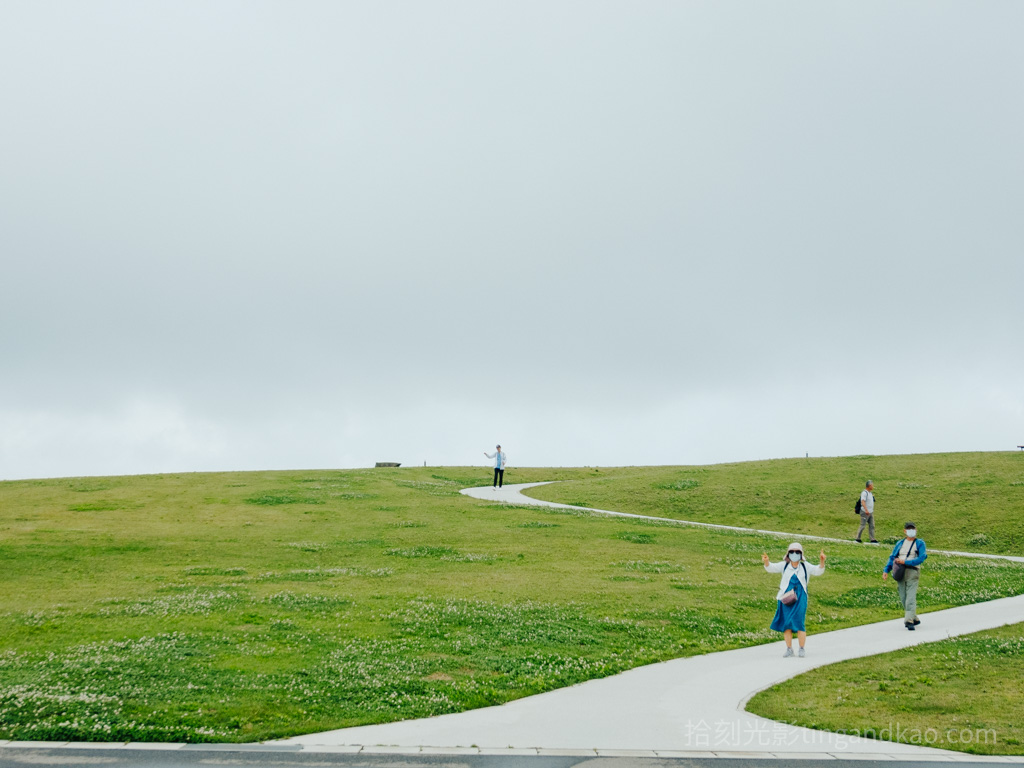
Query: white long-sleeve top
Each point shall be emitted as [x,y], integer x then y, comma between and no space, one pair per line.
[787,574]
[499,458]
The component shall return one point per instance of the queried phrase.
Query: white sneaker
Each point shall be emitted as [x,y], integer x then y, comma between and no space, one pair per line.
[800,653]
[788,653]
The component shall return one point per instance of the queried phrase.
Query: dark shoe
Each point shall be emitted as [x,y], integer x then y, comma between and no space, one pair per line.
[916,622]
[874,541]
[858,541]
[909,626]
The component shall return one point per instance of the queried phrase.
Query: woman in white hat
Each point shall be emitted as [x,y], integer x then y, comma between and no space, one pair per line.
[792,596]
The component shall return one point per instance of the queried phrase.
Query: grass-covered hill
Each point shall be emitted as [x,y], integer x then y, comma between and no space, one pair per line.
[971,502]
[246,606]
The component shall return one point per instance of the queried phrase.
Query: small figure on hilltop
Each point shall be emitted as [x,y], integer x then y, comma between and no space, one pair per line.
[791,613]
[499,465]
[904,563]
[867,512]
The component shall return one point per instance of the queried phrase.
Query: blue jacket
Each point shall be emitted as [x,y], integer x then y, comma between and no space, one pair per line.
[922,555]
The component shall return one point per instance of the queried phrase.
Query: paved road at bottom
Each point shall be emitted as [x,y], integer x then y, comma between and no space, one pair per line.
[197,757]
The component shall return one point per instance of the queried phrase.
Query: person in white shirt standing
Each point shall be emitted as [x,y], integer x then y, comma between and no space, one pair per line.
[867,512]
[499,465]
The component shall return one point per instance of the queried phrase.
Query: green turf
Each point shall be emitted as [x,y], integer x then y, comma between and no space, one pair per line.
[971,502]
[962,694]
[245,606]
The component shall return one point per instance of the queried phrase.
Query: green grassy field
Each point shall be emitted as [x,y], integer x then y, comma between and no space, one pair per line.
[247,606]
[972,502]
[962,694]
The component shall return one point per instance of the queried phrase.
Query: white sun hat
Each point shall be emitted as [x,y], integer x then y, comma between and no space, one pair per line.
[797,546]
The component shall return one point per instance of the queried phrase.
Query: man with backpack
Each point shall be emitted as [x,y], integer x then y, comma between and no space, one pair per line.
[866,507]
[904,563]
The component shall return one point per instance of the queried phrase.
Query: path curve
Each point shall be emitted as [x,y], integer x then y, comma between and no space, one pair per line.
[692,706]
[512,494]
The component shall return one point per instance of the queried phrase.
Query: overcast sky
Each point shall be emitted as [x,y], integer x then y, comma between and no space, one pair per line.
[257,235]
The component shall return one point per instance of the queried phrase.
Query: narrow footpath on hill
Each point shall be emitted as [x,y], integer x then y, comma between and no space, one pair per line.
[689,707]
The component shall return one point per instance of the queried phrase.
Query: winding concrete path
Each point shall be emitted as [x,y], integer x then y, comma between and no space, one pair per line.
[684,707]
[513,494]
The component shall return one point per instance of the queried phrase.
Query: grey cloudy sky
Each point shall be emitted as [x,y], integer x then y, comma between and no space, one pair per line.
[249,235]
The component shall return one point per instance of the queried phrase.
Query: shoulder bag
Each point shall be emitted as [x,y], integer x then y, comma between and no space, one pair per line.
[790,597]
[899,570]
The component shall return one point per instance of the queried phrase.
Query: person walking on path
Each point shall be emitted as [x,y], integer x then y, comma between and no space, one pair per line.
[867,512]
[499,465]
[791,613]
[905,565]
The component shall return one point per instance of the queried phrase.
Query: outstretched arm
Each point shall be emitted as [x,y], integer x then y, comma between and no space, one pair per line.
[817,570]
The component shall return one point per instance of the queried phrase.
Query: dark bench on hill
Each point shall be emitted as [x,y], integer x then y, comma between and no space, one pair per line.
[387,464]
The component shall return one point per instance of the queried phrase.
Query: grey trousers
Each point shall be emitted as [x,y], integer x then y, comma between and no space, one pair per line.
[869,521]
[908,593]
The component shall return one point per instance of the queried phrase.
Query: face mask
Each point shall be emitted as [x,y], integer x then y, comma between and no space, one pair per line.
[911,533]
[794,557]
